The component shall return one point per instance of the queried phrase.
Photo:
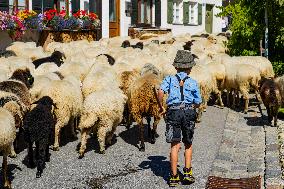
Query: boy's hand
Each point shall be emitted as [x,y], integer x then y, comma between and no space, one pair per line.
[162,111]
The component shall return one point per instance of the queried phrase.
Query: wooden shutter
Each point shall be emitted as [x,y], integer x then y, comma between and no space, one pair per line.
[170,11]
[37,5]
[4,5]
[75,6]
[158,13]
[48,4]
[134,14]
[185,12]
[199,14]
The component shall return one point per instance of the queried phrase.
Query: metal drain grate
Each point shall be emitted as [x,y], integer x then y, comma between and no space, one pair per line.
[225,183]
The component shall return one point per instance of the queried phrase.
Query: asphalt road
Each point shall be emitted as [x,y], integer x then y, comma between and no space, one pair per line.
[123,166]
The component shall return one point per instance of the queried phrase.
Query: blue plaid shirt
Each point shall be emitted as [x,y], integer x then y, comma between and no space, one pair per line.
[191,90]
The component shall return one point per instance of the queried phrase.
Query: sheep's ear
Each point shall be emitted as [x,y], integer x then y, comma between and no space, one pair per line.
[36,102]
[195,56]
[192,40]
[54,105]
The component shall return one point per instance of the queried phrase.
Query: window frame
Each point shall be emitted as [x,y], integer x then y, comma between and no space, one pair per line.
[178,3]
[143,24]
[193,21]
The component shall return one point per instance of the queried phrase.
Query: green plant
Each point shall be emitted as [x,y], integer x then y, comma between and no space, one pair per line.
[278,68]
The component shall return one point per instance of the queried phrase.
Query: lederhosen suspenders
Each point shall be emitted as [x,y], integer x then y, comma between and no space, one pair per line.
[181,84]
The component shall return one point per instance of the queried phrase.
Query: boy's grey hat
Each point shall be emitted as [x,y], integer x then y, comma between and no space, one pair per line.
[184,59]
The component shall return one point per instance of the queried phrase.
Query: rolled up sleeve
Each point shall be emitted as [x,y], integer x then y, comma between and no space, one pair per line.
[196,93]
[165,86]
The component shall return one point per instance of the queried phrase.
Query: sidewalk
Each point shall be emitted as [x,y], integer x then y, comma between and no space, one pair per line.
[249,148]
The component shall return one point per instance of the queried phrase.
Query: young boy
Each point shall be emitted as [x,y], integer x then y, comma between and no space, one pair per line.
[183,98]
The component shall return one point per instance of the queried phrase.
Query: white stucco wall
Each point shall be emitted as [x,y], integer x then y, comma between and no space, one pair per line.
[181,29]
[125,21]
[105,19]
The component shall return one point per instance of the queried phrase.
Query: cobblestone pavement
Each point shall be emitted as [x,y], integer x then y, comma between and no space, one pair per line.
[249,148]
[123,166]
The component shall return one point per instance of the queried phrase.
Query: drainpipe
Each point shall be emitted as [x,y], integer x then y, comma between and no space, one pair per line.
[266,31]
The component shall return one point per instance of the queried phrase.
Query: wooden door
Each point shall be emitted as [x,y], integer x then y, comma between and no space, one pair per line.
[209,18]
[114,20]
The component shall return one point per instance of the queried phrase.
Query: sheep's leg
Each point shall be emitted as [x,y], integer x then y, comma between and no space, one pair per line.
[228,98]
[7,184]
[154,131]
[31,155]
[47,158]
[244,92]
[102,133]
[111,133]
[41,146]
[149,125]
[128,119]
[219,95]
[84,134]
[56,137]
[275,120]
[199,113]
[13,153]
[72,126]
[234,99]
[139,121]
[269,114]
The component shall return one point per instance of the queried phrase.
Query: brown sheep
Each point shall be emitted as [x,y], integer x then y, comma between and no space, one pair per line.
[143,102]
[271,97]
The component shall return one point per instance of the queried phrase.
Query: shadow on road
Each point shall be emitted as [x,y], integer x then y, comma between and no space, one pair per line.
[158,165]
[131,135]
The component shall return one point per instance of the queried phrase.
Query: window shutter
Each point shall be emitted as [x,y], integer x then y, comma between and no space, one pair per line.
[170,11]
[134,13]
[47,5]
[199,14]
[4,5]
[92,6]
[75,6]
[158,13]
[185,12]
[36,6]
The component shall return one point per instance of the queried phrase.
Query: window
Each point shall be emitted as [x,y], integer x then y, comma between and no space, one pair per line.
[193,13]
[86,6]
[177,8]
[144,12]
[112,10]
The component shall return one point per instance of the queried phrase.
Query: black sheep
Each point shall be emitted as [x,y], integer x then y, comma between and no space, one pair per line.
[125,44]
[56,57]
[38,127]
[110,59]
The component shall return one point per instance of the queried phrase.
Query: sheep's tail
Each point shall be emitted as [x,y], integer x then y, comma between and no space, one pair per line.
[7,129]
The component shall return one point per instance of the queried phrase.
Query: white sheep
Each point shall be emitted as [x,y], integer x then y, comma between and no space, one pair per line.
[102,111]
[7,136]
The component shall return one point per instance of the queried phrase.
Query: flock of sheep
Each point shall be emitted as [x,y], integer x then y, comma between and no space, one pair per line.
[95,86]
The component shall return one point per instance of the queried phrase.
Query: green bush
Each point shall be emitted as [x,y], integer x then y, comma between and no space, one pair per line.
[278,68]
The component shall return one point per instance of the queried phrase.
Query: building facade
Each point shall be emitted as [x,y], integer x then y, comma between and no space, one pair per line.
[117,16]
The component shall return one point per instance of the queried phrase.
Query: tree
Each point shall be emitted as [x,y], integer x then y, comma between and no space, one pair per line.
[248,27]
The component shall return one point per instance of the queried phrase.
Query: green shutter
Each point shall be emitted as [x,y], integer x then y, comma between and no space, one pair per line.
[47,5]
[75,6]
[134,13]
[37,6]
[170,11]
[199,14]
[185,12]
[158,13]
[4,5]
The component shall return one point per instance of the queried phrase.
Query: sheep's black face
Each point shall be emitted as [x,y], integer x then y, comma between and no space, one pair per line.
[25,76]
[46,101]
[125,44]
[58,56]
[139,45]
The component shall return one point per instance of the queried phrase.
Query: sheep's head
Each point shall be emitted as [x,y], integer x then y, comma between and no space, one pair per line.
[110,59]
[125,44]
[25,76]
[188,45]
[58,56]
[139,45]
[46,101]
